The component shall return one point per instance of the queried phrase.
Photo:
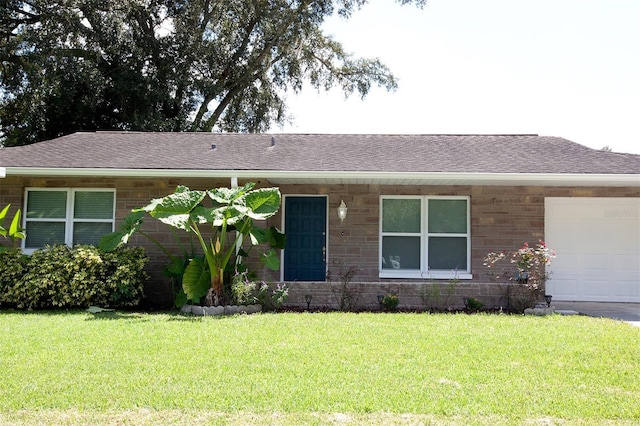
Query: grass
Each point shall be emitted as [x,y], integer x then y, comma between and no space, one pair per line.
[336,368]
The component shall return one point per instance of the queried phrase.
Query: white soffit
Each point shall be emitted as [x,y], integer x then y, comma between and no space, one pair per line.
[357,178]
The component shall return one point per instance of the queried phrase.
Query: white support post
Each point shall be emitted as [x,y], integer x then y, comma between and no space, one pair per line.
[234,184]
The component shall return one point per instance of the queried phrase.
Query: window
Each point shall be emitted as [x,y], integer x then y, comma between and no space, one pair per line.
[67,216]
[424,237]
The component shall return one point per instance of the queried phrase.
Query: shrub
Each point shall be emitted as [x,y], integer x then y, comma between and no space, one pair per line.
[62,277]
[13,266]
[390,302]
[525,269]
[243,289]
[272,299]
[473,304]
[124,276]
[438,296]
[347,294]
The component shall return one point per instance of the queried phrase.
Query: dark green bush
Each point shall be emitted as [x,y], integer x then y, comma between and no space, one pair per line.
[474,304]
[390,302]
[124,276]
[62,277]
[13,266]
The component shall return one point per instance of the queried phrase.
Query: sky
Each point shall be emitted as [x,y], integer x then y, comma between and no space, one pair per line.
[568,68]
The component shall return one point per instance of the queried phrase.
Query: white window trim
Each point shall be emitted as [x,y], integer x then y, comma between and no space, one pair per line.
[425,272]
[69,220]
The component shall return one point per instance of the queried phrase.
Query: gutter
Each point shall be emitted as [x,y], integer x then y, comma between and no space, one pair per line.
[355,177]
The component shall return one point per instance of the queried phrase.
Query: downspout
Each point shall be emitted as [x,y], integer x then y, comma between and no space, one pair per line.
[3,172]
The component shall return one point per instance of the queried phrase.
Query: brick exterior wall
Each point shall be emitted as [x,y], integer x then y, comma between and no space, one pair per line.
[502,217]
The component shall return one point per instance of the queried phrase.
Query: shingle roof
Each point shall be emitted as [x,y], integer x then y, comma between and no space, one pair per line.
[320,152]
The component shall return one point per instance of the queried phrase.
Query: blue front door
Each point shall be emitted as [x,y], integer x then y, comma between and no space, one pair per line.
[305,224]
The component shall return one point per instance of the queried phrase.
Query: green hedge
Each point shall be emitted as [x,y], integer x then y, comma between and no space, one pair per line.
[62,277]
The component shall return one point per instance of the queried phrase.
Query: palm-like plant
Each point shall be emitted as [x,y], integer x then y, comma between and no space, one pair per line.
[212,216]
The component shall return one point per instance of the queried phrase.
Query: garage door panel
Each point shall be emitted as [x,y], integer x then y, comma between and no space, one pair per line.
[592,262]
[562,289]
[597,242]
[625,289]
[626,266]
[619,235]
[595,288]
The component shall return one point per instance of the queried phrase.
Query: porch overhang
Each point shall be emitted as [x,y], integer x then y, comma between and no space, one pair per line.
[278,177]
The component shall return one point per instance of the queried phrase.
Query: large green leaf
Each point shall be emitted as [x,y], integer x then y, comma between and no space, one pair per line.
[271,235]
[175,209]
[3,214]
[258,235]
[181,299]
[196,280]
[15,231]
[262,203]
[277,239]
[131,224]
[202,214]
[175,268]
[217,215]
[270,259]
[228,195]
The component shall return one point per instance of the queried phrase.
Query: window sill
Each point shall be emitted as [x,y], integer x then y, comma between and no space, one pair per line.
[435,275]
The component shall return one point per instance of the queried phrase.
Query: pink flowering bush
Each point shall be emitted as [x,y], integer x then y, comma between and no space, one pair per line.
[529,271]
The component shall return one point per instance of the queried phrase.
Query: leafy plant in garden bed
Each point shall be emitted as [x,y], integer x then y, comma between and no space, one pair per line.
[229,215]
[59,276]
[390,302]
[14,231]
[247,292]
[347,294]
[438,297]
[530,274]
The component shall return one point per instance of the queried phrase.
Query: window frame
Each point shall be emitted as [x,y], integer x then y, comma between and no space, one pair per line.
[425,272]
[69,220]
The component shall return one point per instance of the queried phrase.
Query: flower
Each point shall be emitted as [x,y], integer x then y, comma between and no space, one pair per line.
[528,257]
[530,262]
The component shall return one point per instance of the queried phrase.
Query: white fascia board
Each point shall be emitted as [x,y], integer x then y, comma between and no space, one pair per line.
[84,172]
[506,179]
[431,178]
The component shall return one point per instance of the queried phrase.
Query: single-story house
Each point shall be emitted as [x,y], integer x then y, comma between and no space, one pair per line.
[420,208]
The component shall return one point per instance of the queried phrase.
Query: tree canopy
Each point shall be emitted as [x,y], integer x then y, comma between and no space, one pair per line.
[168,65]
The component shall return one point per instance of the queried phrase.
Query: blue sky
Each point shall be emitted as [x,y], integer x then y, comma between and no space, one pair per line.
[568,68]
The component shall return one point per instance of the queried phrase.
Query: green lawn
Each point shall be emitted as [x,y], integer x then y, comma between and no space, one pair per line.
[130,368]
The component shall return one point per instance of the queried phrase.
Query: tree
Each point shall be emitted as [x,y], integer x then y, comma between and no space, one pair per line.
[168,65]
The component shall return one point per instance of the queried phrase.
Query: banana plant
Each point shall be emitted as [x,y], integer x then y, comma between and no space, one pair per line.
[15,231]
[221,220]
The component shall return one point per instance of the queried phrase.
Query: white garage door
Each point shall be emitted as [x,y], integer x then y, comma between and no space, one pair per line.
[597,243]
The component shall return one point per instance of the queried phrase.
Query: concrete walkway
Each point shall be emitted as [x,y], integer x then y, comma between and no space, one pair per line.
[628,312]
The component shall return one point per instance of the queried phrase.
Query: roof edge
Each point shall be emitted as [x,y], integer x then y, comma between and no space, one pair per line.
[509,179]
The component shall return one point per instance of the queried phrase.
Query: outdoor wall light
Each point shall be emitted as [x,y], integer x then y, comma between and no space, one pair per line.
[307,298]
[342,211]
[547,298]
[380,297]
